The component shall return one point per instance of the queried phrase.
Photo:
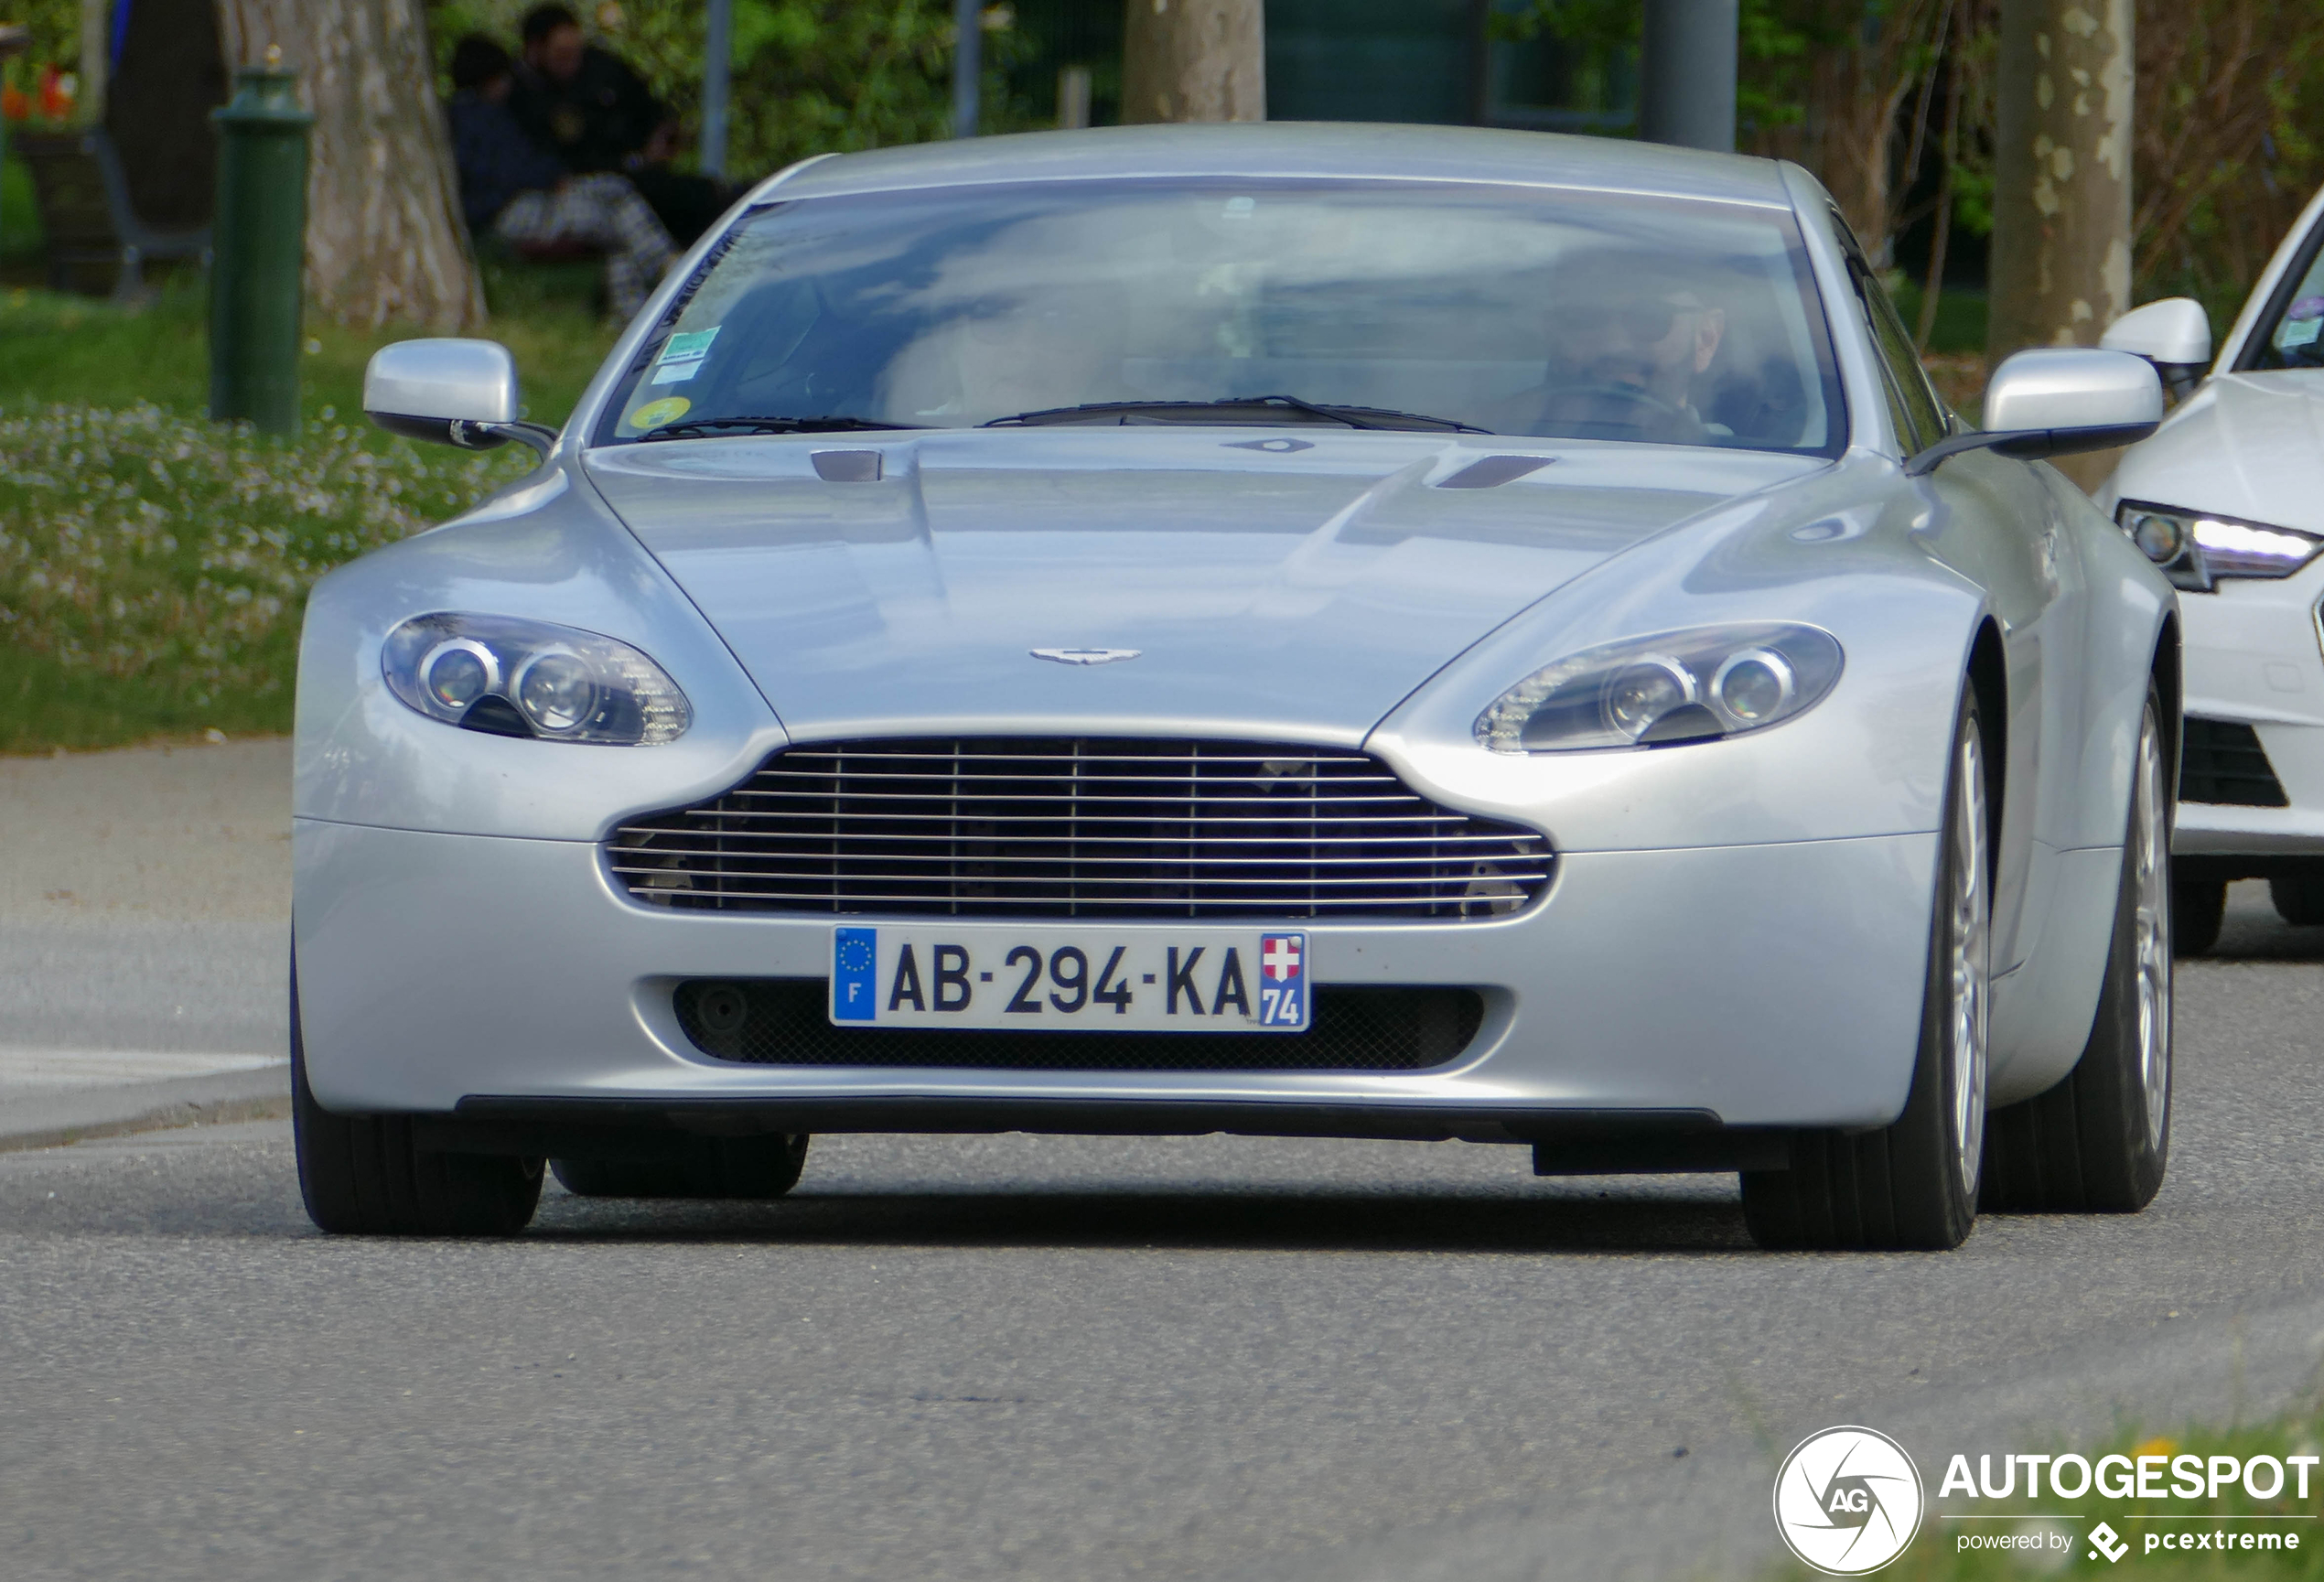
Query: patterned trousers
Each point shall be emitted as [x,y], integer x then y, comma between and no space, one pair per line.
[603,211]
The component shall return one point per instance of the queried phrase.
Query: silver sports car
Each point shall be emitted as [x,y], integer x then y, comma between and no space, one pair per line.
[1349,631]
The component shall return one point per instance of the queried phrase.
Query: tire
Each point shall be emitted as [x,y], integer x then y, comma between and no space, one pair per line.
[2298,897]
[756,1168]
[1912,1184]
[2197,908]
[362,1175]
[2098,1142]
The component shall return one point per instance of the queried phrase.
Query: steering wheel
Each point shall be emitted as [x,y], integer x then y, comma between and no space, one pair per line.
[1610,411]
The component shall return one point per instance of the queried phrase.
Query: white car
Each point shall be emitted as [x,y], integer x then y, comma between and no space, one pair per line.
[2228,498]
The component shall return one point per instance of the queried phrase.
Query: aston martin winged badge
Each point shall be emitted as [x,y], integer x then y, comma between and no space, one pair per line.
[1085,655]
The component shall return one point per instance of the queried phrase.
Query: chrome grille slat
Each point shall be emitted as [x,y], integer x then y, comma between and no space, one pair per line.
[1431,842]
[820,902]
[1144,861]
[1047,818]
[1074,800]
[1078,827]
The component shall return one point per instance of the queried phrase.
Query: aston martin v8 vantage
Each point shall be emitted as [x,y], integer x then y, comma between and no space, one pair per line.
[1347,631]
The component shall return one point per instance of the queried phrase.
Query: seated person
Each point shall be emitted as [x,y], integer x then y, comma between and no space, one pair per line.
[595,114]
[513,188]
[1628,335]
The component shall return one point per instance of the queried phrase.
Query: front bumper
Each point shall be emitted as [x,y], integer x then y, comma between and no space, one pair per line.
[2250,654]
[1774,985]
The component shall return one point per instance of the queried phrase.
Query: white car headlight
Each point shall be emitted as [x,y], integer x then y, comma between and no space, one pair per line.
[2196,550]
[1656,691]
[529,678]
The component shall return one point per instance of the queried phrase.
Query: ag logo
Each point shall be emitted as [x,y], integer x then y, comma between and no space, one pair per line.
[1847,1500]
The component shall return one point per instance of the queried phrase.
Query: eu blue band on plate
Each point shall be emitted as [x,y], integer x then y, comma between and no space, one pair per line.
[854,974]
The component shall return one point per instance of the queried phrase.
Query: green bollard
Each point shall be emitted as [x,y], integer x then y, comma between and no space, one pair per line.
[260,253]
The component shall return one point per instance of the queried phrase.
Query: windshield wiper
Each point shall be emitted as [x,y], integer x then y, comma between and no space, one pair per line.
[696,428]
[1255,406]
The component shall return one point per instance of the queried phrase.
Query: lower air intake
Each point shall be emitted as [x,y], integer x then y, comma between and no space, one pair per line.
[785,1022]
[2222,763]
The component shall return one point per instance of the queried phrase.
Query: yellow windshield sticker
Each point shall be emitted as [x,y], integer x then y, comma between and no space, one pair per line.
[655,414]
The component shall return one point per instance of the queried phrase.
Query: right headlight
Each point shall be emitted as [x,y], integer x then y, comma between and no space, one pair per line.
[1681,686]
[2195,549]
[529,678]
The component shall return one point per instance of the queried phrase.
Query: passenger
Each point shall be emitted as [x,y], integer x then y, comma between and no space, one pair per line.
[512,187]
[1627,335]
[588,107]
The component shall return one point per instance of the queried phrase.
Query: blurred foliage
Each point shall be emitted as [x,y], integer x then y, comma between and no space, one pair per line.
[2228,92]
[2224,158]
[56,30]
[810,76]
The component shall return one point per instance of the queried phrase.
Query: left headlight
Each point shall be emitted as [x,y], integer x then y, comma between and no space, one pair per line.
[1652,692]
[2195,549]
[529,678]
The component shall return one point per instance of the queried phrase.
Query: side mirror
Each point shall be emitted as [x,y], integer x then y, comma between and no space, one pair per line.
[2055,401]
[458,393]
[2174,333]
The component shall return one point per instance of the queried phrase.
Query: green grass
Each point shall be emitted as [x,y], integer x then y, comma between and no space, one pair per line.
[1935,1555]
[1961,318]
[19,221]
[154,566]
[83,352]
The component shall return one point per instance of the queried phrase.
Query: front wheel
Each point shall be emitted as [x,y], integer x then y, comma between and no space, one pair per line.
[1912,1184]
[2197,910]
[365,1175]
[744,1167]
[2298,895]
[2098,1142]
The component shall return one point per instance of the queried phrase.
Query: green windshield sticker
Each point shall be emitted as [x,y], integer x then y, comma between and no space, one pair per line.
[682,356]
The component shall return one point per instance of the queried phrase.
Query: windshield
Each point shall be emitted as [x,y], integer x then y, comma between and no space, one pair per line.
[1514,310]
[2291,341]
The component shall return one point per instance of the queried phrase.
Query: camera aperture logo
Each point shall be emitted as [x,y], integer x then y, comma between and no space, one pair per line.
[1847,1500]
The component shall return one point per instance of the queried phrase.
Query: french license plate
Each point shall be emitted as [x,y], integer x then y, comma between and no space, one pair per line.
[989,975]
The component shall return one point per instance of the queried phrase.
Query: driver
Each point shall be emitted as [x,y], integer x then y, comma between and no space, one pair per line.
[1628,333]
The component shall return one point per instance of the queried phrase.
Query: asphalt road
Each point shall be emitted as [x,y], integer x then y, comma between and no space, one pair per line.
[1036,1358]
[144,900]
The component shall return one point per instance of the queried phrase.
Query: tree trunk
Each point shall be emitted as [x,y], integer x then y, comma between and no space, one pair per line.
[96,57]
[1194,60]
[2060,269]
[384,238]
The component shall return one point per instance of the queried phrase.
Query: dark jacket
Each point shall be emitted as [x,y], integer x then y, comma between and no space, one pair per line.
[592,122]
[495,159]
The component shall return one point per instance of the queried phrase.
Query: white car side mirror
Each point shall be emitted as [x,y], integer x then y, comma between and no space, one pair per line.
[460,392]
[2175,332]
[2056,400]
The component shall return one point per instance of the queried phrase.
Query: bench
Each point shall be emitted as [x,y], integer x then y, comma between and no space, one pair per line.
[82,196]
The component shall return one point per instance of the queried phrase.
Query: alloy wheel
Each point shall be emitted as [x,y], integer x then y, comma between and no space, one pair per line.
[2150,814]
[1967,982]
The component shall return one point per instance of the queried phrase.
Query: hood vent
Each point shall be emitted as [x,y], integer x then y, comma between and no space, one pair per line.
[848,466]
[1494,471]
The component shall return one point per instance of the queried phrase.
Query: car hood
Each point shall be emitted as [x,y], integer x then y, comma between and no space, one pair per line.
[1271,586]
[2246,444]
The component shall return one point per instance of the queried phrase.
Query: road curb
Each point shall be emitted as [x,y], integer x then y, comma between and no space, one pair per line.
[55,1119]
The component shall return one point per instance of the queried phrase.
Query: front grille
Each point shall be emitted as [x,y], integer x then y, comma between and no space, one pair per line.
[2222,761]
[1040,827]
[785,1022]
